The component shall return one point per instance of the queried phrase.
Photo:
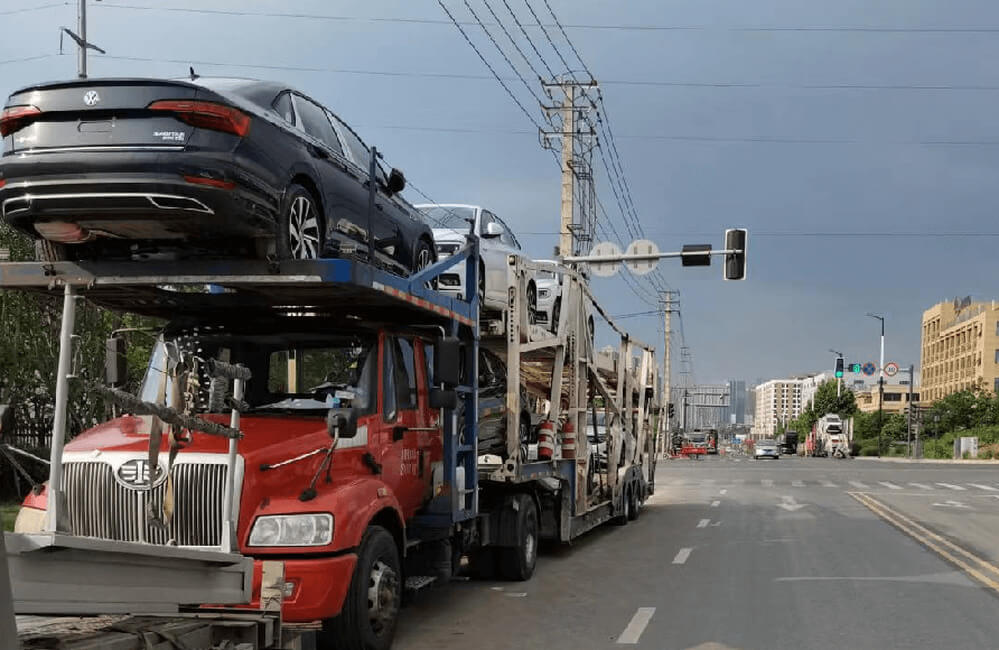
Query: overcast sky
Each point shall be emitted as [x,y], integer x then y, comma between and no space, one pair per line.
[834,120]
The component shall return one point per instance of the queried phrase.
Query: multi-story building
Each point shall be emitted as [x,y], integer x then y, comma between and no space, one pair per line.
[810,385]
[778,401]
[737,402]
[960,348]
[895,401]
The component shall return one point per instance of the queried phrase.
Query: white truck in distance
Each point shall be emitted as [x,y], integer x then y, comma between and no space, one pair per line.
[833,436]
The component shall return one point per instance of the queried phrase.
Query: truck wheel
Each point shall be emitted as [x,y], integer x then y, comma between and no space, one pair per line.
[517,562]
[625,515]
[371,609]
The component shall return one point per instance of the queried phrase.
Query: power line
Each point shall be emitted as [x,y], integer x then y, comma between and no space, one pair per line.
[24,59]
[544,30]
[523,31]
[500,49]
[567,39]
[513,41]
[590,26]
[487,64]
[24,10]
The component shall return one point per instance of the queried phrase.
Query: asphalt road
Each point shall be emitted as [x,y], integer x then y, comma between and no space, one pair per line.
[734,553]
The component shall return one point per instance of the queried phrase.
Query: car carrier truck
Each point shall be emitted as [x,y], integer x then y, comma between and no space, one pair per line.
[302,449]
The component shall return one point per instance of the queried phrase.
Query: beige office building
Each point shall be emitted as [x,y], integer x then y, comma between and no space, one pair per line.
[895,400]
[960,348]
[778,401]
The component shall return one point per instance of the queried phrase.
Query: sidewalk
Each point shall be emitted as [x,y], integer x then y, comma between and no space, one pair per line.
[939,461]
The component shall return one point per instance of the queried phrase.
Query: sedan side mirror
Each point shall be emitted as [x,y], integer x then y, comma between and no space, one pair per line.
[396,181]
[493,229]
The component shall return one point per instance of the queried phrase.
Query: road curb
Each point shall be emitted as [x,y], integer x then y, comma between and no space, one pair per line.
[928,461]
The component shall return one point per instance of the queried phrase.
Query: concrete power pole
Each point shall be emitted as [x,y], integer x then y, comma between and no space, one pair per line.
[667,300]
[572,163]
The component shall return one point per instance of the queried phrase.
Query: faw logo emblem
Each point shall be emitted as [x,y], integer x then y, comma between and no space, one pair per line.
[91,98]
[134,474]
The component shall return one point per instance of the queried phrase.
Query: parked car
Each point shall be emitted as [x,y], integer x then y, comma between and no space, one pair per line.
[153,168]
[453,222]
[766,449]
[492,408]
[549,282]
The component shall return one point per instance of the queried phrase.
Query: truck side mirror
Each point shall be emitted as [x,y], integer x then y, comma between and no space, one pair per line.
[341,426]
[441,398]
[447,361]
[115,362]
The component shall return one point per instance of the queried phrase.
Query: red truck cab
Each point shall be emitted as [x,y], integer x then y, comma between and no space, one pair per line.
[338,527]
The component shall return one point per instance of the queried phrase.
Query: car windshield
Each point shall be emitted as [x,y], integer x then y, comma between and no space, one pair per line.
[304,372]
[601,418]
[768,443]
[449,216]
[545,275]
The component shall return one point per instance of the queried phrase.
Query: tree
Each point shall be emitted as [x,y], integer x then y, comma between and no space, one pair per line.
[826,401]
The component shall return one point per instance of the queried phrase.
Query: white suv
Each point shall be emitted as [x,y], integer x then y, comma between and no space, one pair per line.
[452,222]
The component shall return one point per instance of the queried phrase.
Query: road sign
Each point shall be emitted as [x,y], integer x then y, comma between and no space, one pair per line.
[869,368]
[891,368]
[605,269]
[642,247]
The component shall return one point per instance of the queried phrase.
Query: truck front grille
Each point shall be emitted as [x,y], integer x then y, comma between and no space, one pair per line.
[99,506]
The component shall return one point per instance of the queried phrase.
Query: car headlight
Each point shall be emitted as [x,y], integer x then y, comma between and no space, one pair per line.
[314,529]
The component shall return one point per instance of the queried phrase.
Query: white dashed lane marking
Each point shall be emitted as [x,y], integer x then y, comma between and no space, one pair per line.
[984,487]
[681,557]
[714,504]
[638,623]
[703,523]
[858,485]
[922,486]
[797,483]
[953,487]
[890,485]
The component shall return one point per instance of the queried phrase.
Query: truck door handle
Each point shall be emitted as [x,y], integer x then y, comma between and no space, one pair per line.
[398,432]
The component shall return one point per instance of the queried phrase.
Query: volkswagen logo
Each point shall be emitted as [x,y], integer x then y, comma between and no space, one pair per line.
[91,98]
[134,474]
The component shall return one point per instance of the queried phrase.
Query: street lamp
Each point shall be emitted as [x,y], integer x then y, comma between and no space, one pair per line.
[881,376]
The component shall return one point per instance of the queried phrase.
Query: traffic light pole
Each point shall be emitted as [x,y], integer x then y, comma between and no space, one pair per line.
[668,300]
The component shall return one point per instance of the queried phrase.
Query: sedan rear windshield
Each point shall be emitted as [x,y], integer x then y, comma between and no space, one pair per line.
[443,216]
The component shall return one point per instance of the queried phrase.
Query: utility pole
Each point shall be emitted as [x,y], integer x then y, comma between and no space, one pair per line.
[572,165]
[667,300]
[908,411]
[80,38]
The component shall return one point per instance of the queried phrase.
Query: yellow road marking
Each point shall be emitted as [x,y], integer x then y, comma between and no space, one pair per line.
[931,540]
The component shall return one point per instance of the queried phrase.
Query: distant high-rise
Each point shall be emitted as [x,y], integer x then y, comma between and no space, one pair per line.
[738,399]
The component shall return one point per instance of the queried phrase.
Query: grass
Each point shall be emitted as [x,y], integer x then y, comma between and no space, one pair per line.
[8,512]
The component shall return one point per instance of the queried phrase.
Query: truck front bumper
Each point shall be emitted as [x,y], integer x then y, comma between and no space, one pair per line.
[314,588]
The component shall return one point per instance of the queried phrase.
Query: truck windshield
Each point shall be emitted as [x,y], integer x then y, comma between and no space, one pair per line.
[291,372]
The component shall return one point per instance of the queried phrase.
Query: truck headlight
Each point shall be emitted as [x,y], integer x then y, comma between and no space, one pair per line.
[29,520]
[544,293]
[292,530]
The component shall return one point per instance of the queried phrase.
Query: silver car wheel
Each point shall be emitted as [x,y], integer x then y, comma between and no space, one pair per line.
[303,230]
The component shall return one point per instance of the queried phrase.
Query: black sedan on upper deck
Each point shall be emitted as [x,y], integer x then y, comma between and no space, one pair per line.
[153,169]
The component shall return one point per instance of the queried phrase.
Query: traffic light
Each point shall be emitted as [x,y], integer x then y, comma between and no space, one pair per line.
[671,410]
[853,367]
[839,367]
[735,263]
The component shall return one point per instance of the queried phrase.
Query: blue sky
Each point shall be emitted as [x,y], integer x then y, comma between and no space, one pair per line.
[807,169]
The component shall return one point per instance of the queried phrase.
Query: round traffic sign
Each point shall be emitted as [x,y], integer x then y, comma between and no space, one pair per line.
[642,247]
[891,368]
[869,368]
[605,269]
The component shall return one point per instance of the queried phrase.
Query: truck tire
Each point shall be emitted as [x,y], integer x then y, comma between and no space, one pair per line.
[633,504]
[517,562]
[624,516]
[371,608]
